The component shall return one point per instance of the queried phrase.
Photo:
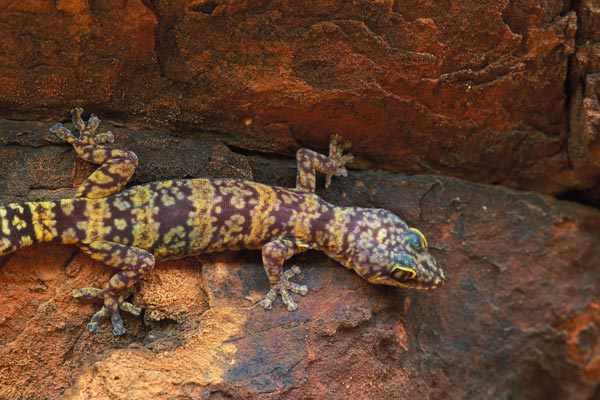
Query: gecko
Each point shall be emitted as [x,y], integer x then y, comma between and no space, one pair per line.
[130,229]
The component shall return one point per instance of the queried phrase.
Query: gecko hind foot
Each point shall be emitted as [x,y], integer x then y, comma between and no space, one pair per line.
[87,132]
[111,307]
[283,287]
[115,318]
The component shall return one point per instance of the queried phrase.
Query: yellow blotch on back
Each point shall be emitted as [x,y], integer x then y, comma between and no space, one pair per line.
[262,213]
[120,224]
[176,232]
[145,230]
[337,224]
[121,204]
[174,243]
[67,207]
[96,212]
[175,191]
[201,224]
[167,200]
[238,202]
[164,184]
[309,211]
[141,196]
[235,222]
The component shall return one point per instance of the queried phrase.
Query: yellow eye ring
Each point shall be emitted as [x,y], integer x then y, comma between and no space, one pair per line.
[423,239]
[411,271]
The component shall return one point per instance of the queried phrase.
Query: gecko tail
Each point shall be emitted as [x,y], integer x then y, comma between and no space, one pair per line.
[25,224]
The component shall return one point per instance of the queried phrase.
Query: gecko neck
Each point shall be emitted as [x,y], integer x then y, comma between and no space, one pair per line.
[339,241]
[330,231]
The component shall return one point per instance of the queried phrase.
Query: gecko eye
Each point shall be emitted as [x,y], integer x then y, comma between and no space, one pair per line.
[403,274]
[404,270]
[416,240]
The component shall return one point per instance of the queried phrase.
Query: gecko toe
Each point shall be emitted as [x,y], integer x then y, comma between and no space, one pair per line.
[76,118]
[117,323]
[267,302]
[295,270]
[92,124]
[288,300]
[336,154]
[283,288]
[62,132]
[105,137]
[94,324]
[300,289]
[88,293]
[294,287]
[93,327]
[115,319]
[130,308]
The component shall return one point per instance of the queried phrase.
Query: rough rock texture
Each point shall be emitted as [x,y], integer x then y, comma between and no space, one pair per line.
[519,318]
[584,142]
[34,160]
[498,92]
[503,92]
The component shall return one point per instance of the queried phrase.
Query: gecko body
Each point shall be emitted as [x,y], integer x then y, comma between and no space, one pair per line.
[131,229]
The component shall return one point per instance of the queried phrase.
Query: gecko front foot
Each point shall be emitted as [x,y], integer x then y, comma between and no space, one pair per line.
[112,305]
[336,154]
[283,287]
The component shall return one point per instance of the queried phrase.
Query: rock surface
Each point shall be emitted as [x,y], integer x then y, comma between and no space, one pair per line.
[506,92]
[519,317]
[498,92]
[583,146]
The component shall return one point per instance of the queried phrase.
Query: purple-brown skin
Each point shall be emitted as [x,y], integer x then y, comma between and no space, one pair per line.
[131,229]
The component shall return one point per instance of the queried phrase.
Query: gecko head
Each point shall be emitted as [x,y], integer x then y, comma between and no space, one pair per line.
[388,252]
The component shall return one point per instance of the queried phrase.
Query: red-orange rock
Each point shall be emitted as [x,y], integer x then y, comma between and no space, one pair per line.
[497,92]
[516,319]
[479,91]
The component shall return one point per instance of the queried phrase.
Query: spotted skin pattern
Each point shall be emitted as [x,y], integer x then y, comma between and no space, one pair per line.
[131,229]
